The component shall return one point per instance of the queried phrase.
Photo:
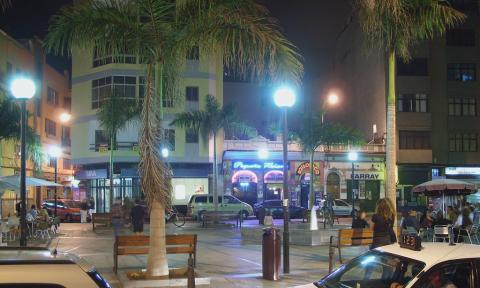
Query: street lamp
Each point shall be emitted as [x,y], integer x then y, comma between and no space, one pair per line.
[332,99]
[285,98]
[55,152]
[165,153]
[65,117]
[23,89]
[263,154]
[353,156]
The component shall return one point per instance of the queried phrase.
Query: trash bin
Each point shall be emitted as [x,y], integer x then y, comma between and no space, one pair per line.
[271,254]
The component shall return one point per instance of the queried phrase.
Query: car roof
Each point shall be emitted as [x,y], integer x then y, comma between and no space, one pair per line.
[37,255]
[433,253]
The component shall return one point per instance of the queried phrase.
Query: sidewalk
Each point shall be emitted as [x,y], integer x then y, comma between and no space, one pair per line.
[221,255]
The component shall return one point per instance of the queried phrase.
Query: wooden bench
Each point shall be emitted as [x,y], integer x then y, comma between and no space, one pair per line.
[220,215]
[139,244]
[103,219]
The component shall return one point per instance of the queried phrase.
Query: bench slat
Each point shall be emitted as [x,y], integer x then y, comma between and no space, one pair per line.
[181,239]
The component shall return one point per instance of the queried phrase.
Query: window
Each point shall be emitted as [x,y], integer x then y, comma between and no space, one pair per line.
[191,136]
[416,67]
[50,127]
[101,139]
[201,199]
[462,106]
[453,274]
[51,161]
[192,93]
[100,60]
[67,163]
[125,86]
[374,269]
[231,200]
[461,37]
[67,103]
[412,102]
[38,106]
[462,142]
[193,53]
[52,96]
[101,89]
[463,72]
[141,87]
[169,138]
[66,136]
[414,140]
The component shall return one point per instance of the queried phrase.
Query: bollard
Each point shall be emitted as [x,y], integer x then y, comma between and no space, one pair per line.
[271,254]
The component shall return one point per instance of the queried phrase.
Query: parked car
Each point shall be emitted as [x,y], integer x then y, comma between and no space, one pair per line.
[39,267]
[200,204]
[67,210]
[341,207]
[435,265]
[276,208]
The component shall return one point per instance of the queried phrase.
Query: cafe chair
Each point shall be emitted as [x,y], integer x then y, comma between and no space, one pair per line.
[441,232]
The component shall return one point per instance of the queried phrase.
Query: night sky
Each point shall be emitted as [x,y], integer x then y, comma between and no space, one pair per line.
[311,24]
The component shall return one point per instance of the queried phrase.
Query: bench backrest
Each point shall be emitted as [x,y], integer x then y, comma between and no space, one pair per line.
[138,244]
[101,215]
[352,237]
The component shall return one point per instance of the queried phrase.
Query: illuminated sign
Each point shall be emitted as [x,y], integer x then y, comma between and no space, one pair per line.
[247,166]
[366,176]
[305,168]
[462,171]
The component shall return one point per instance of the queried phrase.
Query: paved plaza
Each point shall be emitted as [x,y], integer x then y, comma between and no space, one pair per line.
[221,255]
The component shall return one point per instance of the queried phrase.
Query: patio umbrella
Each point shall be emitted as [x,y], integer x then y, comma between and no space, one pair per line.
[13,182]
[445,187]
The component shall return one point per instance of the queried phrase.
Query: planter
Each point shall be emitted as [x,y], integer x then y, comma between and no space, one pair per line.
[177,278]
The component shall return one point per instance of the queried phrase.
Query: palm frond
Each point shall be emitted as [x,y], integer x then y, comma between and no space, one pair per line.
[4,4]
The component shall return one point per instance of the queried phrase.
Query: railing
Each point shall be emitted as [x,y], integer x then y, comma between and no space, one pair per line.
[255,144]
[102,147]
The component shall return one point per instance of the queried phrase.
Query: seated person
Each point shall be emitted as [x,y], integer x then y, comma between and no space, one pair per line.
[411,221]
[440,220]
[360,222]
[33,212]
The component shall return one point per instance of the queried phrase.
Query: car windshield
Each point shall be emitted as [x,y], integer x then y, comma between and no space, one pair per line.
[373,269]
[72,204]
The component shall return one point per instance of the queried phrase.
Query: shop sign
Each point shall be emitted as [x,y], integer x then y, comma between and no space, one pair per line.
[129,173]
[91,174]
[366,176]
[305,168]
[249,166]
[462,171]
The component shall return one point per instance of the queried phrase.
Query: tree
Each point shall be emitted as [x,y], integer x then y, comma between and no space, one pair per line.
[396,26]
[313,134]
[113,116]
[10,115]
[239,33]
[210,122]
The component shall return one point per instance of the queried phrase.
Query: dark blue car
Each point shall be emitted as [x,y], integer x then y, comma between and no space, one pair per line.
[275,207]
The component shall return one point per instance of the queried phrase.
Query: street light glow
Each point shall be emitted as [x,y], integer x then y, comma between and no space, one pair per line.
[263,154]
[65,117]
[352,156]
[284,97]
[332,99]
[54,151]
[165,152]
[22,88]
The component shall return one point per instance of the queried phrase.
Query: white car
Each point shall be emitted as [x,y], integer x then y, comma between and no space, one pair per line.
[39,267]
[436,265]
[341,207]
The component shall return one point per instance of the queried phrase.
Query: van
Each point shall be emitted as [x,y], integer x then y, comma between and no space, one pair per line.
[199,204]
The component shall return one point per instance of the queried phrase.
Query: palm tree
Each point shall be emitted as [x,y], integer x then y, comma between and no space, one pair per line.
[4,4]
[396,26]
[10,115]
[314,133]
[113,116]
[210,122]
[240,33]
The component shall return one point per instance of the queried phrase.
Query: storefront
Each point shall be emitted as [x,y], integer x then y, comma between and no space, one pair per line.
[368,181]
[303,180]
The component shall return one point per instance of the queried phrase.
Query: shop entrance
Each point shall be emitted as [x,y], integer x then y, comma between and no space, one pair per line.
[333,185]
[273,185]
[244,186]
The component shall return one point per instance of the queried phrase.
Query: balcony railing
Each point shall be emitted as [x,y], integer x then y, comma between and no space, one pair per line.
[103,147]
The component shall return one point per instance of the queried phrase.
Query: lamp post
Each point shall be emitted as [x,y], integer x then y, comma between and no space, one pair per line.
[353,156]
[23,89]
[285,98]
[55,152]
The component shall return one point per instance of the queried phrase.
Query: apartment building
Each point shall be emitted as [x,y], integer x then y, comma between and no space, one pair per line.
[93,77]
[52,99]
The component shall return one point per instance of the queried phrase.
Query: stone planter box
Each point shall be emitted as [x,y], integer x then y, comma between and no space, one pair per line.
[164,282]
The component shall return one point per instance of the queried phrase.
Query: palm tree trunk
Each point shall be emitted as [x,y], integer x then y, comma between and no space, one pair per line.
[157,262]
[311,192]
[215,175]
[391,189]
[112,140]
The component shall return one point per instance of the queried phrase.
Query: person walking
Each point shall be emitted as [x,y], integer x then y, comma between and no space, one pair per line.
[382,226]
[83,211]
[91,206]
[137,214]
[117,213]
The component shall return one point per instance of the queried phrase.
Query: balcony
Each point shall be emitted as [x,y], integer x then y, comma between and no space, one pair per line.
[104,147]
[418,156]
